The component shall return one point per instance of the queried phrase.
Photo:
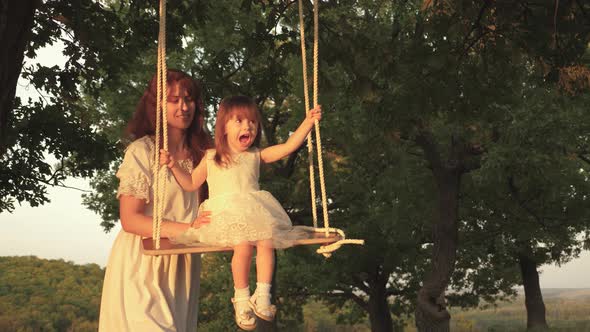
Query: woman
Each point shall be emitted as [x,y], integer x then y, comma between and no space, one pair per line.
[156,293]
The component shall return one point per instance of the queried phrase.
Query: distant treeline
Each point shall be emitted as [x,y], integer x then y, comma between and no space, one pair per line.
[48,295]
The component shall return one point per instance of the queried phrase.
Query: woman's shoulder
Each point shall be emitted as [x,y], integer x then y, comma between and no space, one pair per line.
[138,158]
[144,144]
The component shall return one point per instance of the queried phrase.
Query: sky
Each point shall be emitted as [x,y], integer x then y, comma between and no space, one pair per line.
[65,229]
[62,229]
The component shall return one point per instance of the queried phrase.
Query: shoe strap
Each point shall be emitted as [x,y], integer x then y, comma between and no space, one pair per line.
[259,307]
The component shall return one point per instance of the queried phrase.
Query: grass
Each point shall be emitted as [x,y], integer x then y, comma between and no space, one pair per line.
[567,310]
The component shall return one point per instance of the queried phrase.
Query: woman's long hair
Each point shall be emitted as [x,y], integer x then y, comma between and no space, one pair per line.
[143,121]
[241,106]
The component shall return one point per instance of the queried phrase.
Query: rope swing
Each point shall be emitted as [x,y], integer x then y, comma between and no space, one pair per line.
[160,173]
[329,238]
[325,250]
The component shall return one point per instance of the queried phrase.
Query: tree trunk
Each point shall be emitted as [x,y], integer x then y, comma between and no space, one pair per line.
[535,308]
[431,312]
[378,308]
[16,22]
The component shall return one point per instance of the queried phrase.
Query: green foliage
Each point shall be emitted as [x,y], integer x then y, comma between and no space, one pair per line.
[215,308]
[319,317]
[48,295]
[57,126]
[103,200]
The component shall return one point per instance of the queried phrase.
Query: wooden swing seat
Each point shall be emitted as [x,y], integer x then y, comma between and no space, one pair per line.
[169,248]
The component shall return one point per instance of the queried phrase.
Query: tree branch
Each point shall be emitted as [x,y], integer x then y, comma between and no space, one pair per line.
[360,283]
[350,295]
[514,190]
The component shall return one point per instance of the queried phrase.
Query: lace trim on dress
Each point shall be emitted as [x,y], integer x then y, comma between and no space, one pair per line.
[186,164]
[137,187]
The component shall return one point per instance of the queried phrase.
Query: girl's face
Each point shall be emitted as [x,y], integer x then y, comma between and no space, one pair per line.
[181,107]
[240,132]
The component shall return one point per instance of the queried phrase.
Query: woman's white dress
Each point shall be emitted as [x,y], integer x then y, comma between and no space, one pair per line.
[150,293]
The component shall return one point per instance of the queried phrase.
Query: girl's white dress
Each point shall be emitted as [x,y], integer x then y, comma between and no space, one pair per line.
[240,211]
[149,293]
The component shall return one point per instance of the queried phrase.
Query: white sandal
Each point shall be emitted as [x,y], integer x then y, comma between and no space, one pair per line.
[267,313]
[244,319]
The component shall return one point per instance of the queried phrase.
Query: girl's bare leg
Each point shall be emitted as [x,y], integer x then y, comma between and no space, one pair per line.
[265,261]
[240,264]
[240,267]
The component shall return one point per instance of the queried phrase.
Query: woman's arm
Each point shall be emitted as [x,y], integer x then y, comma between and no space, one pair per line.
[134,220]
[279,151]
[188,182]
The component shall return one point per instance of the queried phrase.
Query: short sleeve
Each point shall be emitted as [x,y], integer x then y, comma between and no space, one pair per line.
[135,174]
[257,154]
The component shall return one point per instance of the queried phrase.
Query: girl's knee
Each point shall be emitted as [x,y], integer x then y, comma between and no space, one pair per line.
[264,248]
[243,250]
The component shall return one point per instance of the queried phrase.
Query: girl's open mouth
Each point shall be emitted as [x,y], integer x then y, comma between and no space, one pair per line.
[244,139]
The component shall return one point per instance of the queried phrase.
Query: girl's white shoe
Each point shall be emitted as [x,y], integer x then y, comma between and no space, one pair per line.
[263,312]
[244,317]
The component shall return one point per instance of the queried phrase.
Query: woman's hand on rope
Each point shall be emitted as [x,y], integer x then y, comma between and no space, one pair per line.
[203,219]
[314,114]
[166,159]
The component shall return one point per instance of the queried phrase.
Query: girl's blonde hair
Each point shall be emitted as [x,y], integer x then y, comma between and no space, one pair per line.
[244,108]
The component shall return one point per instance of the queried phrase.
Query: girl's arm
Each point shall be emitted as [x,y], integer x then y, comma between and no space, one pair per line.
[188,182]
[134,220]
[279,151]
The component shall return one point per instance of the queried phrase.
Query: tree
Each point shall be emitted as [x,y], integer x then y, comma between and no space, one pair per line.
[59,125]
[531,194]
[422,89]
[443,83]
[540,207]
[15,34]
[51,295]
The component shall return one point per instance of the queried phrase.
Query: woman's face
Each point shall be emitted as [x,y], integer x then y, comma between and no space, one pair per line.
[181,107]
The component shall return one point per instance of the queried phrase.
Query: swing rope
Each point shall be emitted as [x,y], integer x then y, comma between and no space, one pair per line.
[160,173]
[314,211]
[325,250]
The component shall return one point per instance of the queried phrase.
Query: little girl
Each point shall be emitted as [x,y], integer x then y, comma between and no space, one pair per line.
[242,215]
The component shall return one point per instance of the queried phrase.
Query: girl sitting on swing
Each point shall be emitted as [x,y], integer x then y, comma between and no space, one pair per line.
[242,215]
